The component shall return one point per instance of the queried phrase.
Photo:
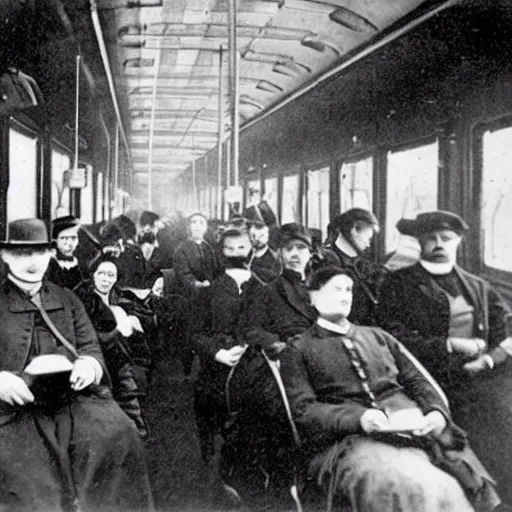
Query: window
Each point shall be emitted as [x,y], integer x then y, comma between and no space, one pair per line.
[496,209]
[22,192]
[412,187]
[289,203]
[317,198]
[60,193]
[270,194]
[356,184]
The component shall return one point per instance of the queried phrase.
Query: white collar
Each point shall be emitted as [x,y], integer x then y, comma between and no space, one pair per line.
[66,264]
[330,326]
[437,269]
[345,246]
[239,275]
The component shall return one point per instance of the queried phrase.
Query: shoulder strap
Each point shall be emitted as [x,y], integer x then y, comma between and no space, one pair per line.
[65,343]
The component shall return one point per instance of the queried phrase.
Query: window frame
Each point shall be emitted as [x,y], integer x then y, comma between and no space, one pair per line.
[503,277]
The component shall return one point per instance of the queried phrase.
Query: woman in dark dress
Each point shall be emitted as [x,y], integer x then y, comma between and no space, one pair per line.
[377,433]
[114,328]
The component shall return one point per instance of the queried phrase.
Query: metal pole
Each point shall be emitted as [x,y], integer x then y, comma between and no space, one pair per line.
[116,165]
[221,134]
[194,185]
[77,110]
[233,87]
[152,130]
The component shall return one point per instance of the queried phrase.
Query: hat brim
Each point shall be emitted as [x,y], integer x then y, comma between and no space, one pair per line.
[407,227]
[287,239]
[26,245]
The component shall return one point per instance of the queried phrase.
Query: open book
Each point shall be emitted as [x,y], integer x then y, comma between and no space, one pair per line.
[405,420]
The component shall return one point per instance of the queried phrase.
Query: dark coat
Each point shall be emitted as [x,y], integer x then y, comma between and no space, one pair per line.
[278,311]
[416,310]
[215,323]
[268,267]
[367,275]
[115,352]
[194,262]
[65,277]
[132,267]
[100,436]
[325,393]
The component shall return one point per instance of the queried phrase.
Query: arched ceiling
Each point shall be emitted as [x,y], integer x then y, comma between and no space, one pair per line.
[164,56]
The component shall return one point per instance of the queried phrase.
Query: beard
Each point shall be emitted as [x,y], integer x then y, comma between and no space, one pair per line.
[236,261]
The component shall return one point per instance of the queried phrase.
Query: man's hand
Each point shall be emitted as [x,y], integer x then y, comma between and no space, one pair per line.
[373,420]
[14,390]
[82,375]
[481,364]
[230,357]
[435,423]
[467,346]
[274,349]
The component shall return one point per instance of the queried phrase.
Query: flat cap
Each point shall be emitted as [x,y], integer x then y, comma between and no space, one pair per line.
[294,231]
[432,221]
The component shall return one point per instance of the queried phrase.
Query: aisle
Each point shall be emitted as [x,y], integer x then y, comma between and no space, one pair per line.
[181,482]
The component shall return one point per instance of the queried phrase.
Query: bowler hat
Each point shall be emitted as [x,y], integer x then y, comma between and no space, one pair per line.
[432,221]
[62,223]
[294,231]
[26,233]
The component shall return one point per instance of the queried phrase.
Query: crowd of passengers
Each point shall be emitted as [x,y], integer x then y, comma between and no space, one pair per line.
[327,381]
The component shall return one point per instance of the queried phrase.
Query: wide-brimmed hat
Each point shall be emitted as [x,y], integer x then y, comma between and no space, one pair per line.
[294,231]
[26,233]
[62,223]
[432,221]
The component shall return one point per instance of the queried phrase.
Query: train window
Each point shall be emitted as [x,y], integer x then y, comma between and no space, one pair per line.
[356,184]
[318,199]
[412,186]
[290,199]
[60,192]
[270,194]
[496,208]
[22,192]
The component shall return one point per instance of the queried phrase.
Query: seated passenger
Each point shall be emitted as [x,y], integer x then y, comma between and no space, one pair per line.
[72,451]
[455,323]
[265,262]
[354,231]
[114,330]
[378,435]
[258,455]
[216,338]
[195,261]
[64,269]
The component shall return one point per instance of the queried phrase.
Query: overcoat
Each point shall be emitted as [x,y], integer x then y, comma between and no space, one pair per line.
[415,309]
[96,456]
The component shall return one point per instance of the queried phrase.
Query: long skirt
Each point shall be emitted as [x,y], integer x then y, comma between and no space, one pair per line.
[361,474]
[83,456]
